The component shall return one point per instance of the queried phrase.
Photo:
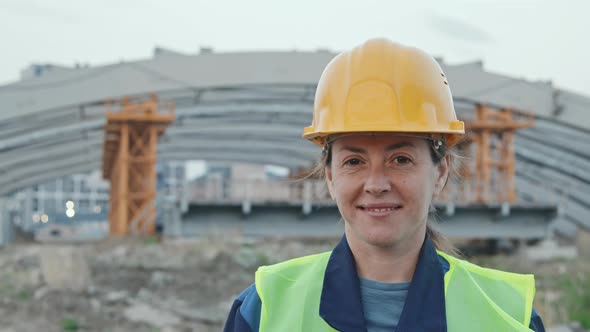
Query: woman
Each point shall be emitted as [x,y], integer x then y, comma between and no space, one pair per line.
[384,117]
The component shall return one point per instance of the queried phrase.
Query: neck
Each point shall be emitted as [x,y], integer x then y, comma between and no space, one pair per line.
[395,263]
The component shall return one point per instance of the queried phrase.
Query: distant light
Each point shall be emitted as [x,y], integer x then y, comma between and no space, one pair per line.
[276,170]
[69,205]
[44,218]
[36,218]
[70,213]
[194,169]
[97,209]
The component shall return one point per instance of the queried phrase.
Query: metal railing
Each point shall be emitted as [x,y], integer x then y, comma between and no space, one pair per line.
[220,191]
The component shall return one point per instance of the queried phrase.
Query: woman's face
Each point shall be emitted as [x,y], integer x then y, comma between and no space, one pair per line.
[383,186]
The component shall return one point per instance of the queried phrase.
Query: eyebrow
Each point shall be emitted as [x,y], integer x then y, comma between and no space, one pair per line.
[391,147]
[400,145]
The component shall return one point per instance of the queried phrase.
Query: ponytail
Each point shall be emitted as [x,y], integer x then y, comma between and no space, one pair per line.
[441,242]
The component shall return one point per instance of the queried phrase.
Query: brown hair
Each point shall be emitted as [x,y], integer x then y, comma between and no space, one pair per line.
[440,241]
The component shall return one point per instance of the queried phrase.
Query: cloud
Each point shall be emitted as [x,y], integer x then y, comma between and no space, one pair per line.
[459,29]
[38,12]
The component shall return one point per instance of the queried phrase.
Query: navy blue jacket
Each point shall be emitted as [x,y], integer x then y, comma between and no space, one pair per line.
[340,304]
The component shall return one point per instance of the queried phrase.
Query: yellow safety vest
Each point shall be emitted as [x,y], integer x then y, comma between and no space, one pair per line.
[476,298]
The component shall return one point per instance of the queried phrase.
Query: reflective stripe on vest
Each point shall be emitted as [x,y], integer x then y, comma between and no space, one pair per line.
[476,298]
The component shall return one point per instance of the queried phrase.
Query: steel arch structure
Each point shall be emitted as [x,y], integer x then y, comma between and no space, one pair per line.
[252,107]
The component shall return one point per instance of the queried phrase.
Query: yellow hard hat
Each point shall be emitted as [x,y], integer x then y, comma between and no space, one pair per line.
[382,86]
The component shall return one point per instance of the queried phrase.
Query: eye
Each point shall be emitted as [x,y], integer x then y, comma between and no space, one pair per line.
[352,162]
[400,160]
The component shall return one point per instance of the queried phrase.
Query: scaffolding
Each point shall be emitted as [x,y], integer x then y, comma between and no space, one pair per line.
[129,162]
[487,174]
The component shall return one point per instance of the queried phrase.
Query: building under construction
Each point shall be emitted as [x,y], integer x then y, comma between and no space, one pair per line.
[526,149]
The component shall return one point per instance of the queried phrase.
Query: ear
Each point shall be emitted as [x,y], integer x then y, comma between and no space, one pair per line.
[442,174]
[329,182]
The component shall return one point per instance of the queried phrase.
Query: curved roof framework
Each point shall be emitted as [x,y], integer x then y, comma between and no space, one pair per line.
[252,107]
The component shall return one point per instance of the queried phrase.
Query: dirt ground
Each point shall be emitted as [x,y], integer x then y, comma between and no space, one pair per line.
[182,285]
[137,285]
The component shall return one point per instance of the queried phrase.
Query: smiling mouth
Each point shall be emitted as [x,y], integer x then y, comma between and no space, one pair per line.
[380,209]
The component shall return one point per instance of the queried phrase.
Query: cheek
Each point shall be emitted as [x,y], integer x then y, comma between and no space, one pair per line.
[344,187]
[332,184]
[418,188]
[338,189]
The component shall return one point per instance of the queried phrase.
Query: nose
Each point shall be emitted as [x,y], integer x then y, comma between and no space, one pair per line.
[378,181]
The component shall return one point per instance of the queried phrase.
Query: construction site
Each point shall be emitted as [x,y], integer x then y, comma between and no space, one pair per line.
[143,195]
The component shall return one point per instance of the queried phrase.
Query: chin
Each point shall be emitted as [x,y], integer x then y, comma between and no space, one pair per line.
[381,239]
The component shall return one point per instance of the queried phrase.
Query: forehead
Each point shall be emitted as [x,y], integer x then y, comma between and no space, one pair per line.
[384,141]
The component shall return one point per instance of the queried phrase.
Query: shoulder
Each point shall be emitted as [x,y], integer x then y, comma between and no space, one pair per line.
[447,261]
[444,264]
[244,315]
[536,323]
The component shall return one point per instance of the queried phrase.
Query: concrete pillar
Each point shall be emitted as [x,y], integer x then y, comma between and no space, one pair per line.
[307,197]
[246,207]
[583,242]
[450,209]
[28,210]
[59,196]
[184,197]
[171,218]
[41,198]
[76,197]
[218,187]
[4,222]
[92,197]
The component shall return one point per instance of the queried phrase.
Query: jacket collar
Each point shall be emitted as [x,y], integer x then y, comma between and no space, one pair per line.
[424,310]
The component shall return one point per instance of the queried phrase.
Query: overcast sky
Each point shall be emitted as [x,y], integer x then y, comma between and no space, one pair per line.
[536,40]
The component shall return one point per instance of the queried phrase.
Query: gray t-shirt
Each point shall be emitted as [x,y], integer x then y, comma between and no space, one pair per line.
[383,304]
